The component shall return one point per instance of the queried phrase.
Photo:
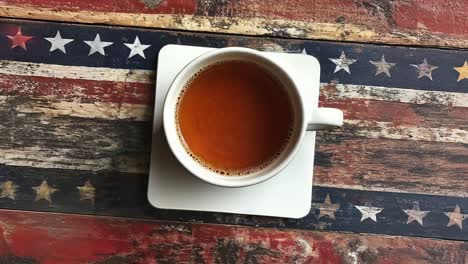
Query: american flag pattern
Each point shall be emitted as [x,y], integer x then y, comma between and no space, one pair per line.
[76,107]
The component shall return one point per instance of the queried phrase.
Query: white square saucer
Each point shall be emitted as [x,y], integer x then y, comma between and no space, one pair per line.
[287,194]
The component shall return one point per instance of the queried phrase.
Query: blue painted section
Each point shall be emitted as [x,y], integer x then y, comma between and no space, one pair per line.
[124,194]
[392,220]
[403,74]
[77,51]
[362,72]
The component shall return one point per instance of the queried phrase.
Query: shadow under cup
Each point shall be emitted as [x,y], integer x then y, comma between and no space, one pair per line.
[269,66]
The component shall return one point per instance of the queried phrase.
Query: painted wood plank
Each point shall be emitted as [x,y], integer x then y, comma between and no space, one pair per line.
[404,74]
[97,110]
[69,138]
[388,130]
[412,126]
[124,6]
[381,147]
[18,68]
[369,118]
[137,86]
[376,108]
[391,165]
[80,239]
[124,194]
[32,139]
[429,23]
[398,114]
[392,94]
[73,90]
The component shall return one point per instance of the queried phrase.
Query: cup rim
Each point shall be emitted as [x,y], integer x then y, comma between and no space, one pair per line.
[177,148]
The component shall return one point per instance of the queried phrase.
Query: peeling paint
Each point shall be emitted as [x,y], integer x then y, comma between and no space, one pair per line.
[151,3]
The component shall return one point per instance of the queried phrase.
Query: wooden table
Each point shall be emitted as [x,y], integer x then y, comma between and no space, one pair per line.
[76,116]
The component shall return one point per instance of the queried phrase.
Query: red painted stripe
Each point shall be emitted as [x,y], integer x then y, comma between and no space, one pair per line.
[400,113]
[58,238]
[433,15]
[74,89]
[89,91]
[328,11]
[126,6]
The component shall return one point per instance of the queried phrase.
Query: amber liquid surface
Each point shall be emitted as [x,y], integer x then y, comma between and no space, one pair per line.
[234,117]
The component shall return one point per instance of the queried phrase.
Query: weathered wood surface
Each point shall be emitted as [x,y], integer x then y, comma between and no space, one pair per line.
[58,99]
[29,237]
[124,194]
[428,23]
[80,127]
[76,130]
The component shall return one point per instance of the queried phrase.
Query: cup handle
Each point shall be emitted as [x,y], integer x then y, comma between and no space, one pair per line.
[325,118]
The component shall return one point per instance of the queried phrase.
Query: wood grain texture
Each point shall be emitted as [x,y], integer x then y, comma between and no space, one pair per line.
[35,139]
[43,132]
[80,127]
[383,164]
[135,86]
[51,101]
[28,237]
[334,90]
[75,83]
[125,194]
[428,23]
[362,72]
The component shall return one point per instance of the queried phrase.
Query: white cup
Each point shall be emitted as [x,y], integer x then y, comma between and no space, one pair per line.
[321,118]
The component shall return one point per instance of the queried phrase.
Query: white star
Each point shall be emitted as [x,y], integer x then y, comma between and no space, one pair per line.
[44,191]
[97,45]
[136,48]
[58,42]
[304,51]
[415,214]
[382,66]
[8,189]
[87,191]
[456,217]
[424,69]
[369,212]
[327,208]
[342,63]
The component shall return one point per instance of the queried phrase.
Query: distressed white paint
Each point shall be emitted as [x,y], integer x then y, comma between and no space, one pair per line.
[307,251]
[44,191]
[354,253]
[391,94]
[424,69]
[75,72]
[342,63]
[372,129]
[369,212]
[382,66]
[49,158]
[380,93]
[109,111]
[140,112]
[456,218]
[415,214]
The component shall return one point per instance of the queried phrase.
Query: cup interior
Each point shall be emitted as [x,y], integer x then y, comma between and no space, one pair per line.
[214,57]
